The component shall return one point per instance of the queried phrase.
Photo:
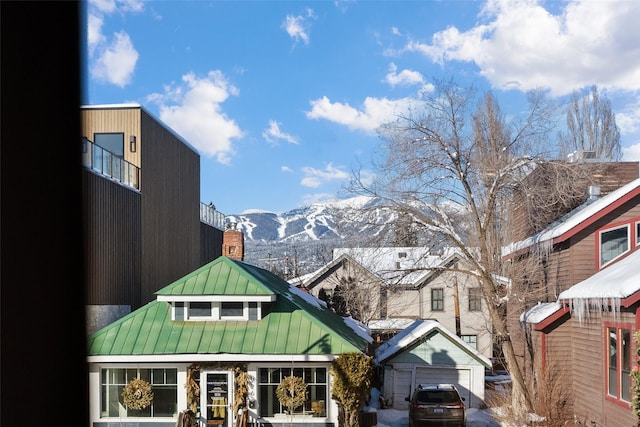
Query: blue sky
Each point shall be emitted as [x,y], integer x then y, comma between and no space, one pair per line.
[282,98]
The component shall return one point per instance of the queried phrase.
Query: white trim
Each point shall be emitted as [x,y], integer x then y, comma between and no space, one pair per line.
[220,357]
[216,298]
[609,230]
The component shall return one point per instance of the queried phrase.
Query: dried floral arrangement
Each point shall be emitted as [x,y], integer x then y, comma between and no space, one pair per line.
[138,394]
[292,392]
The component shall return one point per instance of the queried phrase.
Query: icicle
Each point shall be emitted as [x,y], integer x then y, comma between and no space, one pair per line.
[582,307]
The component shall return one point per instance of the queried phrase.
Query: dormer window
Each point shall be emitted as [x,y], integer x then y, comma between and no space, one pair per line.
[218,310]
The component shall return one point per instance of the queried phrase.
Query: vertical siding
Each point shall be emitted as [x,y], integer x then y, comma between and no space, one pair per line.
[112,241]
[126,120]
[170,184]
[211,243]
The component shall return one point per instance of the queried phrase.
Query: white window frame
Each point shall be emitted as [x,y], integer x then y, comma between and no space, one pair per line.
[608,230]
[216,311]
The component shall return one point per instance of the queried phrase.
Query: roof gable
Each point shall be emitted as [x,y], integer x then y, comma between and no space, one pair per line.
[296,324]
[578,219]
[222,276]
[419,331]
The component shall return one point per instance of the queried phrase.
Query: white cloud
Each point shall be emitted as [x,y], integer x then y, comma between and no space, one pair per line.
[298,26]
[273,134]
[314,178]
[629,119]
[193,109]
[116,62]
[590,42]
[375,112]
[631,153]
[404,78]
[286,169]
[111,61]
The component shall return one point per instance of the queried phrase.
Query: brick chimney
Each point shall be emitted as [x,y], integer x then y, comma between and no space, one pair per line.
[233,242]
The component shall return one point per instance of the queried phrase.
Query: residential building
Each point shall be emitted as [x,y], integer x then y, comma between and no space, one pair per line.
[144,223]
[220,339]
[428,353]
[393,284]
[581,311]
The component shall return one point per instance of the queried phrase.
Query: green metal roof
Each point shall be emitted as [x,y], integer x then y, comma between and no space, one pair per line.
[294,325]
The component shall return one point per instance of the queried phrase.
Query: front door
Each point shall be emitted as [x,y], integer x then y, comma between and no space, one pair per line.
[215,398]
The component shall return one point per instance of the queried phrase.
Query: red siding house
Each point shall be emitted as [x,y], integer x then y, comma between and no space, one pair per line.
[577,338]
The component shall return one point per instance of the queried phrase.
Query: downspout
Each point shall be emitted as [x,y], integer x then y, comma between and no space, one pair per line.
[456,305]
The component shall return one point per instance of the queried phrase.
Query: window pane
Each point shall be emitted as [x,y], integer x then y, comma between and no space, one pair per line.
[200,309]
[253,311]
[475,299]
[179,310]
[625,389]
[231,309]
[612,360]
[437,299]
[112,142]
[613,243]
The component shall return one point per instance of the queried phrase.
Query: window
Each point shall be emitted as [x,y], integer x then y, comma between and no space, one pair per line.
[637,233]
[112,142]
[437,299]
[316,379]
[613,243]
[200,309]
[231,309]
[475,299]
[472,340]
[165,392]
[619,363]
[253,311]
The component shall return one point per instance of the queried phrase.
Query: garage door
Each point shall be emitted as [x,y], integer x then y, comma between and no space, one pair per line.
[401,388]
[461,378]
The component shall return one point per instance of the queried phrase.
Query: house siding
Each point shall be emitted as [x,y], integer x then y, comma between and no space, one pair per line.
[112,241]
[170,183]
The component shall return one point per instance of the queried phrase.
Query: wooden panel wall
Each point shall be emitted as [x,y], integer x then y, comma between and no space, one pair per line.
[126,120]
[112,241]
[210,243]
[170,184]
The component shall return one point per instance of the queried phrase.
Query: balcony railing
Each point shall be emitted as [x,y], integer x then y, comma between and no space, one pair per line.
[108,164]
[210,215]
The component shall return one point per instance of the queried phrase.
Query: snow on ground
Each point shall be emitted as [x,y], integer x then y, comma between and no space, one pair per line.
[400,418]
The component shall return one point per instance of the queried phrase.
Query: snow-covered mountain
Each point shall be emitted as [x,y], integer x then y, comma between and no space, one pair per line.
[306,236]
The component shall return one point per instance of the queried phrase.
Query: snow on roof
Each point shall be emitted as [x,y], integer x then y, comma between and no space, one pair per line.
[605,289]
[310,299]
[417,330]
[359,327]
[395,323]
[539,312]
[396,264]
[573,219]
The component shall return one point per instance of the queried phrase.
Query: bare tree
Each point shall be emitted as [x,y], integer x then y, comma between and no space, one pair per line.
[452,166]
[592,126]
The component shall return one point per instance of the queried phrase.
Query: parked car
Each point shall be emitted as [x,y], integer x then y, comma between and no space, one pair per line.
[436,405]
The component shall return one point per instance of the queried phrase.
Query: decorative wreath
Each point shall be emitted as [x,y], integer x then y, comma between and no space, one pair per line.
[138,394]
[292,392]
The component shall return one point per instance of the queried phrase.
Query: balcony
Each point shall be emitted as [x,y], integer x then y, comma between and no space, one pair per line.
[211,216]
[109,165]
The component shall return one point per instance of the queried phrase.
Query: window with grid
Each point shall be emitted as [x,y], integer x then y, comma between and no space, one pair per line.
[472,340]
[317,388]
[437,299]
[475,299]
[164,382]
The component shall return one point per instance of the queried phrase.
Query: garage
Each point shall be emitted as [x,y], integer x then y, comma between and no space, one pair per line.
[461,378]
[427,353]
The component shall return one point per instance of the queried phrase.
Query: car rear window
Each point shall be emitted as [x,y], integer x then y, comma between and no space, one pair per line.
[437,397]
